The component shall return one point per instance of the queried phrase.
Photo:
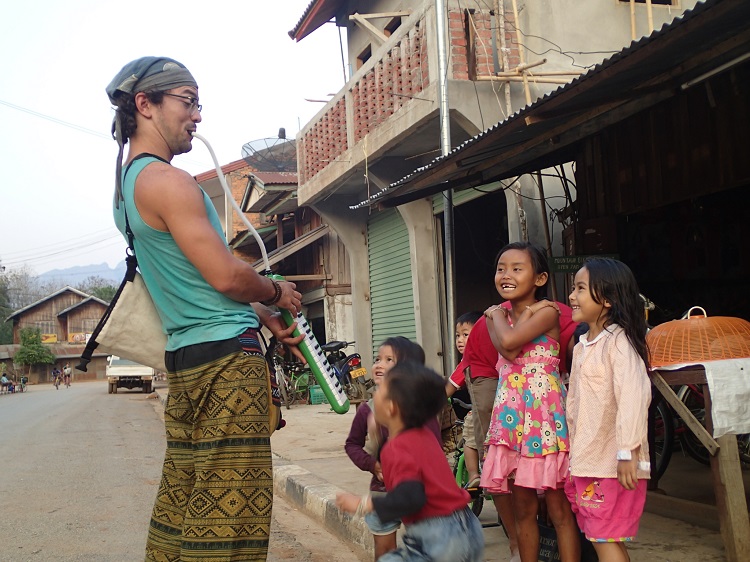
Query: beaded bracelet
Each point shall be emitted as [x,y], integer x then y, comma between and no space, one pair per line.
[276,298]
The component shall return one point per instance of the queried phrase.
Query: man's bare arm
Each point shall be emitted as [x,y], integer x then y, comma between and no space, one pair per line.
[169,200]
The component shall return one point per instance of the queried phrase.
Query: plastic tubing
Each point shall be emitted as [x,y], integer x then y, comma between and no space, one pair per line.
[235,206]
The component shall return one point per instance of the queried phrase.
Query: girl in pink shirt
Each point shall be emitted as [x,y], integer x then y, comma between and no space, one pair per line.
[607,408]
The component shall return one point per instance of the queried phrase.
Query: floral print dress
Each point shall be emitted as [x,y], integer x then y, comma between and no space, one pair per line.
[528,437]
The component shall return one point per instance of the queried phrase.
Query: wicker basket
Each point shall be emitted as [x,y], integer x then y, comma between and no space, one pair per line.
[699,338]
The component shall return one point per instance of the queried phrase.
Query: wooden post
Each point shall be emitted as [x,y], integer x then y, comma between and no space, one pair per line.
[730,493]
[632,19]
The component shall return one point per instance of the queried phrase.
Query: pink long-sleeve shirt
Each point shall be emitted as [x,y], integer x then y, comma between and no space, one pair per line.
[607,405]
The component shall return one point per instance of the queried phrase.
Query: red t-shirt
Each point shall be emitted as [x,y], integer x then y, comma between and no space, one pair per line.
[415,455]
[480,354]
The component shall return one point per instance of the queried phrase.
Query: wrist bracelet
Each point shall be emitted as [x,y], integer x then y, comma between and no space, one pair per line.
[277,296]
[529,309]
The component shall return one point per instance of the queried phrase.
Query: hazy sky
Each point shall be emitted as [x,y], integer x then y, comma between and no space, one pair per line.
[57,157]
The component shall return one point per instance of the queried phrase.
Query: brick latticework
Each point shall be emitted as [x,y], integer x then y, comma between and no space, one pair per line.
[375,97]
[393,80]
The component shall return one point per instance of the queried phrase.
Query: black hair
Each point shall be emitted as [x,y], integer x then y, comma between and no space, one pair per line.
[418,391]
[469,317]
[125,106]
[612,281]
[405,350]
[538,262]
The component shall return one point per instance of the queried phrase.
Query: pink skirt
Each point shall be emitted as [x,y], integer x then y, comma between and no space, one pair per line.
[502,465]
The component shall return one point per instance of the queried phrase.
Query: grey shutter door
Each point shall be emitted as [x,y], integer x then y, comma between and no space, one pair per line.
[391,290]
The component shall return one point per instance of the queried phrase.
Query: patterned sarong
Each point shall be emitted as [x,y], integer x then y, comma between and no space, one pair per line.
[215,496]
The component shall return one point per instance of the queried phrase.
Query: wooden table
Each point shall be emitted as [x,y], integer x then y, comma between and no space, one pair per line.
[726,470]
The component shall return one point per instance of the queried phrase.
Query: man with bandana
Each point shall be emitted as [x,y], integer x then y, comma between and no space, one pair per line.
[214,499]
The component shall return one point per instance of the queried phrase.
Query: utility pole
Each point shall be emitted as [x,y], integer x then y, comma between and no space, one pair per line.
[445,148]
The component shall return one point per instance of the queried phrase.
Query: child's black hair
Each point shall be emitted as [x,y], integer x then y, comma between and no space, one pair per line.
[418,391]
[613,281]
[469,317]
[405,350]
[538,262]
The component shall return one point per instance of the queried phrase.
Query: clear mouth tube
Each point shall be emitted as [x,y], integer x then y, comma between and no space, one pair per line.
[235,206]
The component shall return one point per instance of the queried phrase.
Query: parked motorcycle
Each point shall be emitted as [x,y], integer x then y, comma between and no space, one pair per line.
[348,368]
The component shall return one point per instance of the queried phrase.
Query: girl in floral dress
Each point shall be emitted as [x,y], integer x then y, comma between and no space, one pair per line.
[527,442]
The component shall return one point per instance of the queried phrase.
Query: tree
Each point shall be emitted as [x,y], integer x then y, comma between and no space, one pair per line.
[99,287]
[32,350]
[6,328]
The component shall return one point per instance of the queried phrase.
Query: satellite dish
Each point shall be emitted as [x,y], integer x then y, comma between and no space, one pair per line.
[271,154]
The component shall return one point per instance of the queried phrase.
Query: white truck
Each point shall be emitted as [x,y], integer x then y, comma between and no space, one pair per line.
[122,373]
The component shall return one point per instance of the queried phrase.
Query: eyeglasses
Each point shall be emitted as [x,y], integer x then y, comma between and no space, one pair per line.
[192,103]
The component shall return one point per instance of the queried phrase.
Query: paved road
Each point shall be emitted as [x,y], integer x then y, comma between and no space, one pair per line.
[78,475]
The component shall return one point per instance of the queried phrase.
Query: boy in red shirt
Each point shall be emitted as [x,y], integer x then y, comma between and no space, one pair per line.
[422,491]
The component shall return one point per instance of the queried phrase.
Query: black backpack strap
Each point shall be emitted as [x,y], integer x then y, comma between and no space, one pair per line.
[92,344]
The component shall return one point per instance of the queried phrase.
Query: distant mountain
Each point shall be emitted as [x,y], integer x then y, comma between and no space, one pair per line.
[76,274]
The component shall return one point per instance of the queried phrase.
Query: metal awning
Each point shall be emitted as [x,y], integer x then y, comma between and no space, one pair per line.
[712,37]
[275,202]
[291,247]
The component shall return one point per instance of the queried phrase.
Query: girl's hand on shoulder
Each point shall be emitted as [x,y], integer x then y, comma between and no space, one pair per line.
[495,308]
[627,474]
[544,303]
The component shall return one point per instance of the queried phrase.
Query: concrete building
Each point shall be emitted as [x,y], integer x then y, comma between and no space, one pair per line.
[385,122]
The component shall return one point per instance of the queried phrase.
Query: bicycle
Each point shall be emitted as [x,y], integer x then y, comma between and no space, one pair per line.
[459,465]
[301,378]
[282,381]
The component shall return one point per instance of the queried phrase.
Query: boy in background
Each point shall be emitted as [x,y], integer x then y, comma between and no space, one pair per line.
[456,383]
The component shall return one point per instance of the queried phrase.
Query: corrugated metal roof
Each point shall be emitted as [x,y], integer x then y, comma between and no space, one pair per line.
[606,70]
[316,14]
[84,301]
[48,297]
[225,169]
[276,178]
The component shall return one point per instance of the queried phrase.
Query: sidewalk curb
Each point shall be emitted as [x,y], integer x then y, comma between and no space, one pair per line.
[316,498]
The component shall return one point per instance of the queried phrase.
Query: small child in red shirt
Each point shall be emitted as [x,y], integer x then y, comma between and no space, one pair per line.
[421,489]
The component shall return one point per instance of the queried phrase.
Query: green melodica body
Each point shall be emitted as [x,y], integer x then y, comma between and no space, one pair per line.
[316,360]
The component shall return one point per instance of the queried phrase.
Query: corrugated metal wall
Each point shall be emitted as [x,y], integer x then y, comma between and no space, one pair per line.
[391,290]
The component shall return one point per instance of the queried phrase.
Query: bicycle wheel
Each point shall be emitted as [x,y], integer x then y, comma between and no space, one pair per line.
[462,479]
[283,384]
[661,426]
[693,399]
[302,386]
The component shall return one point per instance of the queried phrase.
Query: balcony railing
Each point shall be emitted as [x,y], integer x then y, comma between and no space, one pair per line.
[376,92]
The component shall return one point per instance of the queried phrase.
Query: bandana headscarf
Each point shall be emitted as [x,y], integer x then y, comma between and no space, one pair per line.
[146,74]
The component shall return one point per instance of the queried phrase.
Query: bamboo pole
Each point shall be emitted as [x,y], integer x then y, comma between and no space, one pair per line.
[520,52]
[524,79]
[650,12]
[548,73]
[500,11]
[523,67]
[632,19]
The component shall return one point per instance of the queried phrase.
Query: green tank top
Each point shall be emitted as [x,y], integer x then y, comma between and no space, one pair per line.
[191,310]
